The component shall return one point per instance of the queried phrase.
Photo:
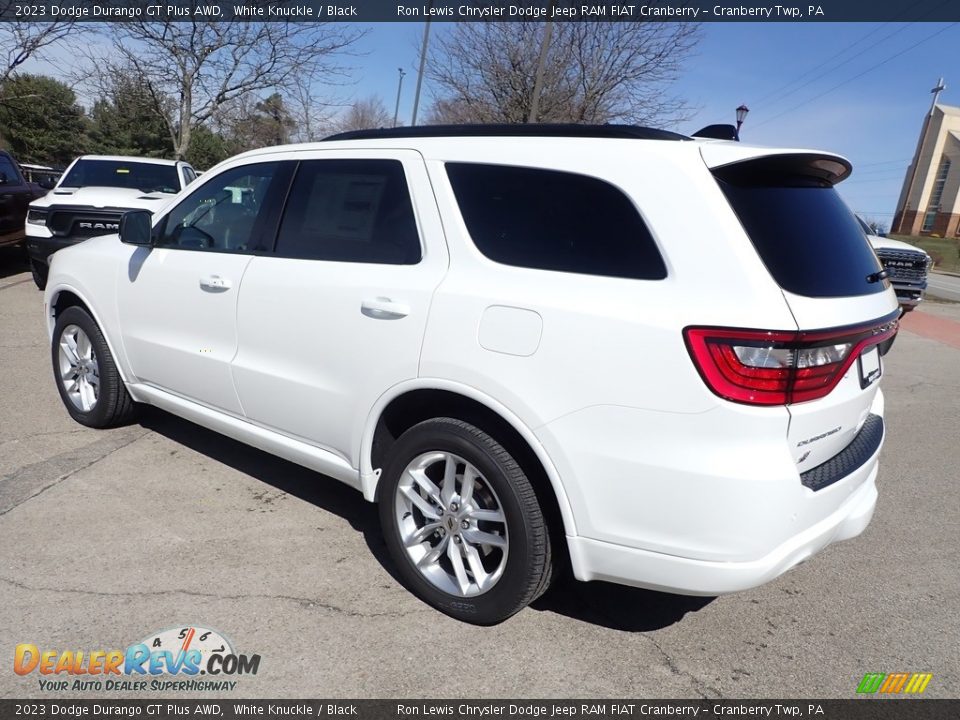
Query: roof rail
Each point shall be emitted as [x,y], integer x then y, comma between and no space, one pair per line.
[512,130]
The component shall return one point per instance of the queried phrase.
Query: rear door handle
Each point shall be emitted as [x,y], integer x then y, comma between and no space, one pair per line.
[215,283]
[383,308]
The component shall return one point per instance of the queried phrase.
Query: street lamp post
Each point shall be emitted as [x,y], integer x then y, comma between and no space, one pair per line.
[741,116]
[396,110]
[423,64]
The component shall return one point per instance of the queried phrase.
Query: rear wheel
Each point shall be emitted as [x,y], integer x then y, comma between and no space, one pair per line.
[39,270]
[462,522]
[87,377]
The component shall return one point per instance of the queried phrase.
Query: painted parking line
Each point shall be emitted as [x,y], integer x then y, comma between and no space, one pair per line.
[933,327]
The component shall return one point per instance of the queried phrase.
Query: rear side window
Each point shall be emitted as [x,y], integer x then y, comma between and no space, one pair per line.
[807,237]
[350,211]
[552,220]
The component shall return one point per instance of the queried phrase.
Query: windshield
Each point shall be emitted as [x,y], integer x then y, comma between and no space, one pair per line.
[146,177]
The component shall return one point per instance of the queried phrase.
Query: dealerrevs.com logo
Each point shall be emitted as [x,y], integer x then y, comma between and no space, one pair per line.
[184,653]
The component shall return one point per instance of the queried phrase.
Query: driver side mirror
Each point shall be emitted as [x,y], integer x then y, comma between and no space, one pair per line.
[136,227]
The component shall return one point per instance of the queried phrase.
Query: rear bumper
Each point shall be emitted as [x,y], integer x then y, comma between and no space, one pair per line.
[596,560]
[704,504]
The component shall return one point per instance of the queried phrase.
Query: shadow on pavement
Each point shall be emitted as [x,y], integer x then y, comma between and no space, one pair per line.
[617,607]
[324,492]
[600,603]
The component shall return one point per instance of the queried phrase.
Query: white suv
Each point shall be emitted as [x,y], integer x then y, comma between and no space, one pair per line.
[652,357]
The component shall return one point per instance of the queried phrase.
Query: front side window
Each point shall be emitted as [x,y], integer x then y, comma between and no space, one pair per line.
[223,214]
[552,220]
[145,177]
[350,211]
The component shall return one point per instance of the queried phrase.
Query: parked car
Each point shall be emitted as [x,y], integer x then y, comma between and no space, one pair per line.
[42,175]
[16,194]
[652,358]
[907,266]
[90,197]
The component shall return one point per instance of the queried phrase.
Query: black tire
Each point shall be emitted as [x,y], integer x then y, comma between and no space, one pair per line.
[39,270]
[529,562]
[113,405]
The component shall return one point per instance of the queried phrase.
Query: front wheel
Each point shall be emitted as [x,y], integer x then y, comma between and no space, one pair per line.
[87,377]
[40,271]
[462,522]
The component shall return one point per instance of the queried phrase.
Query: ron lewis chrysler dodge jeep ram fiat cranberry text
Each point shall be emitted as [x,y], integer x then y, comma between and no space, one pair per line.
[650,357]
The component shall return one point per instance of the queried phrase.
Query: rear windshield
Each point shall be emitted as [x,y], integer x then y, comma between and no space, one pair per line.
[807,237]
[146,177]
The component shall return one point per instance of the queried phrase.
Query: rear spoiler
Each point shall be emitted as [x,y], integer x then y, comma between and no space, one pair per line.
[742,165]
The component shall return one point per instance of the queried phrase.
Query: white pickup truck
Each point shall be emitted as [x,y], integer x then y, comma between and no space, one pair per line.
[90,198]
[907,267]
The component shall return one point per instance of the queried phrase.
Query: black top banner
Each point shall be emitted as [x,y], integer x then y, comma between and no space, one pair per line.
[479,10]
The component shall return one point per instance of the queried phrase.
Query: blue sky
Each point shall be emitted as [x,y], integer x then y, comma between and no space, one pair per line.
[786,73]
[777,70]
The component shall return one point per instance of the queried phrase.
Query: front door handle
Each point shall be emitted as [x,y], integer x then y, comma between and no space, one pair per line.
[383,308]
[215,283]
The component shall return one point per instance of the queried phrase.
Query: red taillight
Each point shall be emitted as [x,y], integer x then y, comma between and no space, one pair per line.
[779,367]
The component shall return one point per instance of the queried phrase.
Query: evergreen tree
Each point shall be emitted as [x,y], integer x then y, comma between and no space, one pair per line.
[41,121]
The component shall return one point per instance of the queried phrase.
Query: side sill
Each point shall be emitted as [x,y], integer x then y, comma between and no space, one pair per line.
[269,441]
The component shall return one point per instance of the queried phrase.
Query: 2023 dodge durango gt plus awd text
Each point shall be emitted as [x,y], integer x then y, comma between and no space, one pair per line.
[650,358]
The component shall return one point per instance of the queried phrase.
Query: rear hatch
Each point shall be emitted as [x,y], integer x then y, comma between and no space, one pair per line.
[845,313]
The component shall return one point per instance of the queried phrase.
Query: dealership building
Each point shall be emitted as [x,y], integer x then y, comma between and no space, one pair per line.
[929,202]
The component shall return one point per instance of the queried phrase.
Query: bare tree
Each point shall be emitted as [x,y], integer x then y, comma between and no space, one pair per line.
[593,72]
[203,65]
[312,114]
[877,227]
[22,40]
[366,114]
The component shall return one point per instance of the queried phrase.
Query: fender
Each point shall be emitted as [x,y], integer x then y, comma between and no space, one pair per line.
[120,359]
[369,476]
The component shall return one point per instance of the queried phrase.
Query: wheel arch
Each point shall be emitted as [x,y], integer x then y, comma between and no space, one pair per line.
[66,297]
[409,403]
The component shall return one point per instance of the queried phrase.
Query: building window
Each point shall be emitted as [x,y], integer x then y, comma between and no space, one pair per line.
[936,195]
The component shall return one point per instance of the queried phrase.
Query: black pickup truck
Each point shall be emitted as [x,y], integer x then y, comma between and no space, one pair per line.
[16,194]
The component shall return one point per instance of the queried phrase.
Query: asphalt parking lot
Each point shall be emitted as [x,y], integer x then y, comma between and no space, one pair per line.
[108,536]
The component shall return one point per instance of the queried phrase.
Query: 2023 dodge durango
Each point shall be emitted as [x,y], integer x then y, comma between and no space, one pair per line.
[90,197]
[652,358]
